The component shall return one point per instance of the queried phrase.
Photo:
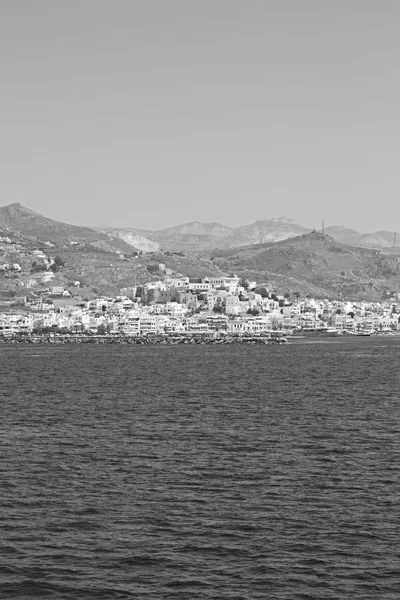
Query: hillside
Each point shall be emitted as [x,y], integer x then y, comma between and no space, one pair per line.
[379,239]
[317,263]
[32,268]
[134,237]
[35,226]
[310,263]
[343,234]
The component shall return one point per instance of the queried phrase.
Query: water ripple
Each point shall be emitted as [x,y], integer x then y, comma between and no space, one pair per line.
[200,472]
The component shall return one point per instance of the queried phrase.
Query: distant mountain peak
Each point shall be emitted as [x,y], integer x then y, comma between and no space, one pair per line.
[274,221]
[282,220]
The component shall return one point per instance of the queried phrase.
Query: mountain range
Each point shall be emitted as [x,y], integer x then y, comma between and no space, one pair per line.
[203,237]
[187,237]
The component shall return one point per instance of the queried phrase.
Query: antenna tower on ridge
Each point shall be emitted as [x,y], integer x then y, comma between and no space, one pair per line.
[323,227]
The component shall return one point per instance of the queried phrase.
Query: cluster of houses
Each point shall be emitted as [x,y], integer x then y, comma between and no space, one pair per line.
[41,271]
[210,304]
[14,248]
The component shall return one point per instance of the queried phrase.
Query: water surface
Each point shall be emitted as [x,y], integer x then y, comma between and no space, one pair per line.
[198,472]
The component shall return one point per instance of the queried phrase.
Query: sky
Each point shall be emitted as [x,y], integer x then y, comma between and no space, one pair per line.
[151,113]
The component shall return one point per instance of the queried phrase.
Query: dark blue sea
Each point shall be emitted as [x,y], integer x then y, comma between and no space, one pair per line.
[199,472]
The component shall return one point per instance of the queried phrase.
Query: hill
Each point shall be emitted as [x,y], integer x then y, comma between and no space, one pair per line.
[379,239]
[32,265]
[318,264]
[310,263]
[344,234]
[35,226]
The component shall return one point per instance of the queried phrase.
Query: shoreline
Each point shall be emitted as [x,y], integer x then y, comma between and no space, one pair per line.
[177,339]
[150,339]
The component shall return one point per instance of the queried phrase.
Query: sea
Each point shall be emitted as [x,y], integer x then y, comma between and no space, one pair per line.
[200,472]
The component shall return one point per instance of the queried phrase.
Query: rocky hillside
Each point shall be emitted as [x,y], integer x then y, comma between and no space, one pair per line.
[311,263]
[135,238]
[35,226]
[318,264]
[32,268]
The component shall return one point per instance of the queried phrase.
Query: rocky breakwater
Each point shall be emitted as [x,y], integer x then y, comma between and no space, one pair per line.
[149,339]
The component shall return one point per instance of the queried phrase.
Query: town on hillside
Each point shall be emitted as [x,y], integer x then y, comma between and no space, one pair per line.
[179,304]
[171,303]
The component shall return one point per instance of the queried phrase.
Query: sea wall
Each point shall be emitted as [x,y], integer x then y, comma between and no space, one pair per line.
[143,339]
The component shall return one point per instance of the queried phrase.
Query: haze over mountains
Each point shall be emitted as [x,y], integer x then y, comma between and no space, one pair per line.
[379,239]
[187,237]
[197,236]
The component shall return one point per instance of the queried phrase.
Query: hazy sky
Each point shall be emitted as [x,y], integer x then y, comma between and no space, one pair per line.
[151,113]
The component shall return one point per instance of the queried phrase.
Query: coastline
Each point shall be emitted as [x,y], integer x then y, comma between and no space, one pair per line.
[150,339]
[177,339]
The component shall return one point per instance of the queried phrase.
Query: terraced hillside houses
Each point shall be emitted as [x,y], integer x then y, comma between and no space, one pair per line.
[210,304]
